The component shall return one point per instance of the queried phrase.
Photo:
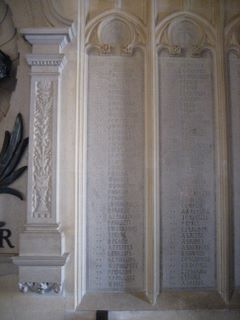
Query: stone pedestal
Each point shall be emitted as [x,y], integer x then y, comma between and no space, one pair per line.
[42,257]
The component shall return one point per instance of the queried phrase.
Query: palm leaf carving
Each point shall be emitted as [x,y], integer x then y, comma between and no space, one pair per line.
[12,151]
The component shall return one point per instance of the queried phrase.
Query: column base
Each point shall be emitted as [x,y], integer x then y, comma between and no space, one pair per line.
[41,274]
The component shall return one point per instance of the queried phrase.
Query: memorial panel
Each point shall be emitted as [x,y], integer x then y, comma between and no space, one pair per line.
[187,173]
[115,173]
[234,63]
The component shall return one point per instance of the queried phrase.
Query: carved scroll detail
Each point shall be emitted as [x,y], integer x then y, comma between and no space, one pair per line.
[42,150]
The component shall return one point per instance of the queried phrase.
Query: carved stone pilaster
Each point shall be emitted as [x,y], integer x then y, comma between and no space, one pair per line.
[42,257]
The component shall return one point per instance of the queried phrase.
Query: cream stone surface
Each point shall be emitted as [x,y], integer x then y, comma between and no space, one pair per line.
[116,30]
[115,143]
[188,169]
[176,315]
[234,72]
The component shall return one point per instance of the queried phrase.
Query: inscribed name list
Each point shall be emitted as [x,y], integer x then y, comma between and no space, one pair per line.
[187,171]
[115,173]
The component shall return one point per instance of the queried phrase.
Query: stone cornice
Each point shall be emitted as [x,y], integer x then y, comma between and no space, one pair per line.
[43,60]
[49,36]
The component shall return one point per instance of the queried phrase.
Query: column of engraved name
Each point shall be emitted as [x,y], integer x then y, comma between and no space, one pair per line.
[119,221]
[115,181]
[122,264]
[187,172]
[196,208]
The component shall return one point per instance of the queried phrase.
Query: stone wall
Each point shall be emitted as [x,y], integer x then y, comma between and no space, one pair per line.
[158,81]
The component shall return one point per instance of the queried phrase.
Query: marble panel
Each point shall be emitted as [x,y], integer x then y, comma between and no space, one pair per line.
[115,173]
[187,173]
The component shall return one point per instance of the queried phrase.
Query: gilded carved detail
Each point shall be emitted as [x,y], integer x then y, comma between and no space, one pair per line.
[105,49]
[175,50]
[42,150]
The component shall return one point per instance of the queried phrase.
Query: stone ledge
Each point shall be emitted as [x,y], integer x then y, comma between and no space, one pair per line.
[41,260]
[45,36]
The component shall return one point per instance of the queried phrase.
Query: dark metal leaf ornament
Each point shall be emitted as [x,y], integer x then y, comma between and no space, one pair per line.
[5,65]
[12,151]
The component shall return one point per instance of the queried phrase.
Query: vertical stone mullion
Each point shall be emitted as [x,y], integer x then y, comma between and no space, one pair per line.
[223,217]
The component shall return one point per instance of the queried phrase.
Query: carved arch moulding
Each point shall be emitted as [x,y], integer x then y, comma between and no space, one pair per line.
[185,34]
[115,32]
[232,36]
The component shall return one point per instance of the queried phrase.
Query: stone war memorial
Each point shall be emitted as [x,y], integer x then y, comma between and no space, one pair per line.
[120,159]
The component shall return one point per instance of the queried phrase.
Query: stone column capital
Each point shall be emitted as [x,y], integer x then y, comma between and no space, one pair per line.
[48,36]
